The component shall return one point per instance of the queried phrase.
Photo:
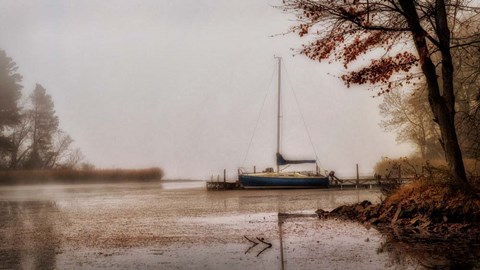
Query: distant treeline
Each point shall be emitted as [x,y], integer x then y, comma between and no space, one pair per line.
[66,176]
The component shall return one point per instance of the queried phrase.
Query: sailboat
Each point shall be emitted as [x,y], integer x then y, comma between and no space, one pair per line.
[277,179]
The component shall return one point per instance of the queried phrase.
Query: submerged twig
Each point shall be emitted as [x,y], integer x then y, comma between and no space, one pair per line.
[254,244]
[251,241]
[267,247]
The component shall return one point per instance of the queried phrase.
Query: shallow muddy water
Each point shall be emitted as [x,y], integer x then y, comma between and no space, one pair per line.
[179,225]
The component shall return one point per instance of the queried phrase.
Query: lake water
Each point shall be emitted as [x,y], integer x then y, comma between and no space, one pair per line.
[179,225]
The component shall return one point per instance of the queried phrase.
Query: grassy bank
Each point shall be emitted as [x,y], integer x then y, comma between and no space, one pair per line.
[79,176]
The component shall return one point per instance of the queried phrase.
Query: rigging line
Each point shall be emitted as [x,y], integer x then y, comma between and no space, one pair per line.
[258,118]
[301,114]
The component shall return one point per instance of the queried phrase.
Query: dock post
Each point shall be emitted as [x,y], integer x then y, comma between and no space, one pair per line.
[399,173]
[224,178]
[358,178]
[254,169]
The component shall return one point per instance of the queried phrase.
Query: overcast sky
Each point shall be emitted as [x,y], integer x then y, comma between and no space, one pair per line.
[180,85]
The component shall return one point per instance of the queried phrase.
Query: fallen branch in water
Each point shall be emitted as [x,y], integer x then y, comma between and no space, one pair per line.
[267,247]
[253,242]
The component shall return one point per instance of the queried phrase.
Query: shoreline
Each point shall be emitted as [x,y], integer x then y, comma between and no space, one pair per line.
[137,226]
[419,211]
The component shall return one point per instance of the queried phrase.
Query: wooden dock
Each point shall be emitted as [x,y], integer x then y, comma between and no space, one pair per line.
[366,182]
[214,185]
[222,184]
[363,183]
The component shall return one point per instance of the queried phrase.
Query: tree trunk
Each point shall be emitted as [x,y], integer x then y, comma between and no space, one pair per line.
[13,158]
[443,107]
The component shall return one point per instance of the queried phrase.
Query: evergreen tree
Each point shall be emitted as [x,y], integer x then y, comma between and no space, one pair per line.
[44,125]
[10,93]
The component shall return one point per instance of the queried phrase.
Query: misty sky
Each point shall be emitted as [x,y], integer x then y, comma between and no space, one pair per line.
[180,84]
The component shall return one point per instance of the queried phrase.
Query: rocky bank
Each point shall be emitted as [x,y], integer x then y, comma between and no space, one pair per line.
[419,210]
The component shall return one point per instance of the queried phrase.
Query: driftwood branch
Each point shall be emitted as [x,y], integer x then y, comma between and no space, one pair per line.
[267,247]
[254,244]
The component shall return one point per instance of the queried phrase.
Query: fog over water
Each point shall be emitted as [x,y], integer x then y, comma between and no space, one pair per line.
[179,84]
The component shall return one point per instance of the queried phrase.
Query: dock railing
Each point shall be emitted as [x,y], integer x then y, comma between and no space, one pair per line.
[222,184]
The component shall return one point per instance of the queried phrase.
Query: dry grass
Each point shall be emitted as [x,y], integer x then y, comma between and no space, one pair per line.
[436,200]
[79,176]
[415,166]
[432,173]
[421,194]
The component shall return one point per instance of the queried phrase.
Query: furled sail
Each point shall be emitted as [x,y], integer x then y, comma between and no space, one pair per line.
[282,161]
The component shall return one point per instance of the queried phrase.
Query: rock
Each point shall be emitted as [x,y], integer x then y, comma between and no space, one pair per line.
[359,208]
[371,211]
[367,212]
[322,213]
[365,204]
[339,210]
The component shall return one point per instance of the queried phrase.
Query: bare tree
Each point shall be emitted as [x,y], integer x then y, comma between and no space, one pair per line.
[410,116]
[21,145]
[73,159]
[405,113]
[62,155]
[347,29]
[467,87]
[59,150]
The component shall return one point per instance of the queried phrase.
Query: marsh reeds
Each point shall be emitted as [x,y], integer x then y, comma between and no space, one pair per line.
[79,176]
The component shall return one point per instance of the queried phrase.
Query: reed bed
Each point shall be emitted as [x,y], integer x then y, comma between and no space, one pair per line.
[79,176]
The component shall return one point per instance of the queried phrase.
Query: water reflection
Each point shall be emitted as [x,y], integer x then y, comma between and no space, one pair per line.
[28,239]
[182,184]
[407,253]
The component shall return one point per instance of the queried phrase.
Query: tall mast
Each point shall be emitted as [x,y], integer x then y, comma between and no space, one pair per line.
[278,106]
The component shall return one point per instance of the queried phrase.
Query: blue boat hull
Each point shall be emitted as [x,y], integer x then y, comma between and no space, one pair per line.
[257,182]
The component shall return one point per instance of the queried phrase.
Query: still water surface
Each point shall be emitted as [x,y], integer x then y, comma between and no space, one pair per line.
[179,225]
